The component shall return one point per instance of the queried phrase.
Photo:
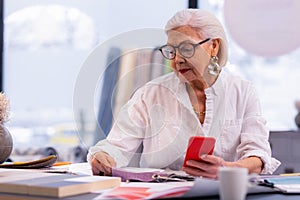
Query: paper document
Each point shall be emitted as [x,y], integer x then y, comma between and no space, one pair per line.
[286,184]
[210,187]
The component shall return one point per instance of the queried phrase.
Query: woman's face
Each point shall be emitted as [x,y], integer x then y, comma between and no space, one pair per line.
[194,68]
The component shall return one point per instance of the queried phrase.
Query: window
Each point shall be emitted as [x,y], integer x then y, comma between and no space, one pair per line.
[45,44]
[276,79]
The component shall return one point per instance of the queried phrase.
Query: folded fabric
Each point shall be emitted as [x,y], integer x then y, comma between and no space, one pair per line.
[136,174]
[44,162]
[149,175]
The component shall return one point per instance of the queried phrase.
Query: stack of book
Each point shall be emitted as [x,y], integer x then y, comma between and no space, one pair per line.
[27,182]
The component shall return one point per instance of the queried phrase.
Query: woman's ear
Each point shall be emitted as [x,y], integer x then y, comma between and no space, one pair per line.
[215,46]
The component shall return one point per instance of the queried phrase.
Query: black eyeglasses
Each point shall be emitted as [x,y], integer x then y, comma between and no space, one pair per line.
[185,49]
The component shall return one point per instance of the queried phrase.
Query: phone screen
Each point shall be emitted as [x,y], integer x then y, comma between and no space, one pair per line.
[199,145]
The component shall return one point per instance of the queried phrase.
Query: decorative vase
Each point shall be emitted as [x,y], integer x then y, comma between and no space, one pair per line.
[6,144]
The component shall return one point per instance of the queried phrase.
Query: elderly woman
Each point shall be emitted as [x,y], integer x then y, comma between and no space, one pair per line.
[198,98]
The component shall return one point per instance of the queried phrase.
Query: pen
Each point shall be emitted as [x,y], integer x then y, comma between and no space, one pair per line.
[290,174]
[61,163]
[101,173]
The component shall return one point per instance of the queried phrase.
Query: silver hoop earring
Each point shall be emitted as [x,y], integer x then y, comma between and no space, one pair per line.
[214,67]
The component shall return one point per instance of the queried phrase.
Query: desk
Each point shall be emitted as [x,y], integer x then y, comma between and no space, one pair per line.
[254,192]
[95,196]
[199,189]
[98,196]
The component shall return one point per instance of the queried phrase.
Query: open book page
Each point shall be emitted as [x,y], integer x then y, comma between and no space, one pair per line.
[76,168]
[81,168]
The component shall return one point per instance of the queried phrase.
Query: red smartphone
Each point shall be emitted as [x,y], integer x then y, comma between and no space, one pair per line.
[199,145]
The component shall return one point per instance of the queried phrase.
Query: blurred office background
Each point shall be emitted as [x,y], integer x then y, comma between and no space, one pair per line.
[46,43]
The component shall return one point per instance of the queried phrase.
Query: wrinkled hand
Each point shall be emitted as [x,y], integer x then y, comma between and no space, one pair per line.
[207,167]
[102,162]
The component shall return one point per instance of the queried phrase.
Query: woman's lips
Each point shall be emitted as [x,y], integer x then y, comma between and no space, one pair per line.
[182,71]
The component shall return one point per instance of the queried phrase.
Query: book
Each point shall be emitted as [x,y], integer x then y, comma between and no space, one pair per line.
[52,184]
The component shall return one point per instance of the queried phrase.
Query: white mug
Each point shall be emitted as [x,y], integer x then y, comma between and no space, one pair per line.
[233,183]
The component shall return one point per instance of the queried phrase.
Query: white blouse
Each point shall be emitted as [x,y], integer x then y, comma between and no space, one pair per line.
[153,128]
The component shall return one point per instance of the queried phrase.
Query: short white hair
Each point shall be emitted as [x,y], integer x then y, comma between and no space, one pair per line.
[206,24]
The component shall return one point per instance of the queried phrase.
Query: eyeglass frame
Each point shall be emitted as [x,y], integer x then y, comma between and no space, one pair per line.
[177,47]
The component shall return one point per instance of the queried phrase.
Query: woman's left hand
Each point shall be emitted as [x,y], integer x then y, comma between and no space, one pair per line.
[207,167]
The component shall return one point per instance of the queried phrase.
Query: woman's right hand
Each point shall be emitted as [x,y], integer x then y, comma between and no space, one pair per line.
[102,164]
